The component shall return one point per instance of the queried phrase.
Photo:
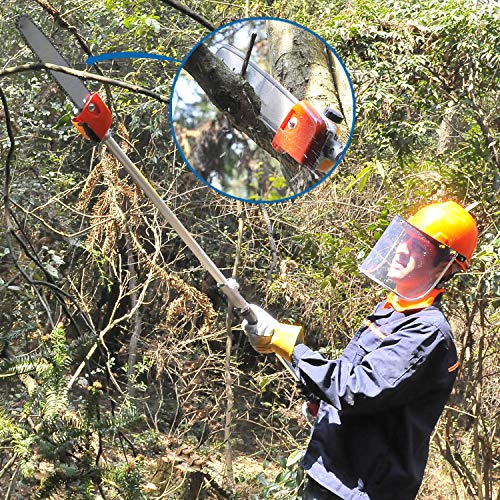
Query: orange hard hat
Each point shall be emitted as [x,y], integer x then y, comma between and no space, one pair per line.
[451,224]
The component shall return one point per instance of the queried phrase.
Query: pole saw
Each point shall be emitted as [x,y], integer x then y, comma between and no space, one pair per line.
[309,136]
[93,121]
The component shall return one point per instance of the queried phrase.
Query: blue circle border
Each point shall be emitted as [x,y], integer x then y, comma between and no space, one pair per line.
[223,193]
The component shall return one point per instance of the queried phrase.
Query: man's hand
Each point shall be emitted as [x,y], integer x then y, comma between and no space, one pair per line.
[260,334]
[310,406]
[269,335]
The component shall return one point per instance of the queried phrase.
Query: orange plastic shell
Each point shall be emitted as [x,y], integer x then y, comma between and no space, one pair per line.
[449,223]
[325,166]
[302,134]
[95,118]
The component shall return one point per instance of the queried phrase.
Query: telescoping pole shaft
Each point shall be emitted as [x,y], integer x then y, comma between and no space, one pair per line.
[232,293]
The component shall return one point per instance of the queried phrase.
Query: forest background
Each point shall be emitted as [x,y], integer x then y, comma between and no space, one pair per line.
[122,374]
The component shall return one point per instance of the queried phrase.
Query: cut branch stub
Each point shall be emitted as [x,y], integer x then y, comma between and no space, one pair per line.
[226,89]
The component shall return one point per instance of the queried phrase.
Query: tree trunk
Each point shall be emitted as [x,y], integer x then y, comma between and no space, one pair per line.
[137,320]
[345,98]
[299,61]
[449,130]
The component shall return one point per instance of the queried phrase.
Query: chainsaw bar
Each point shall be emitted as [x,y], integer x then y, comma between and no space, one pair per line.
[305,134]
[43,48]
[276,100]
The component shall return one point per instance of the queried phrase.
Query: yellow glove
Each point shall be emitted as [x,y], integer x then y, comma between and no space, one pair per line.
[268,335]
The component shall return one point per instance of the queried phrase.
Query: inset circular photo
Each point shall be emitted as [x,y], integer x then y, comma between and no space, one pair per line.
[262,110]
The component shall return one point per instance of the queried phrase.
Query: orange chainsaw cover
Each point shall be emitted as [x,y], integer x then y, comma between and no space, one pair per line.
[94,120]
[302,134]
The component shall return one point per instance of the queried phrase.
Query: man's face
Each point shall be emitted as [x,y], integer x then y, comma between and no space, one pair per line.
[407,261]
[413,264]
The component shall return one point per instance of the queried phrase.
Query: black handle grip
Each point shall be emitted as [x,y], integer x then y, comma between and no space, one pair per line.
[249,315]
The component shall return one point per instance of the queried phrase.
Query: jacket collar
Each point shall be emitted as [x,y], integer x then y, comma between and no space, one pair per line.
[401,305]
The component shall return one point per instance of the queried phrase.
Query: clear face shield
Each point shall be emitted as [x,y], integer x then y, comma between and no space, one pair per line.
[407,261]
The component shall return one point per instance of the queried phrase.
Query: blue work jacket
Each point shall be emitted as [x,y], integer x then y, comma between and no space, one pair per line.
[379,403]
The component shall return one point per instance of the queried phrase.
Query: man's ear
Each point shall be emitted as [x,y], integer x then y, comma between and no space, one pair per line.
[440,266]
[454,269]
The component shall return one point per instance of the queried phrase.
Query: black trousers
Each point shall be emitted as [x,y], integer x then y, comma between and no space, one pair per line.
[314,491]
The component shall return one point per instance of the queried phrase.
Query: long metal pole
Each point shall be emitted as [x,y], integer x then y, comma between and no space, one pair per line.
[232,293]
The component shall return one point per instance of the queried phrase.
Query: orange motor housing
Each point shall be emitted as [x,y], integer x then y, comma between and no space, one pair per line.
[302,134]
[94,120]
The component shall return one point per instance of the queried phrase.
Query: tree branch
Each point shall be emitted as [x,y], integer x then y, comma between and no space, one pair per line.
[248,54]
[234,96]
[61,21]
[7,210]
[84,75]
[8,160]
[58,17]
[191,13]
[137,325]
[227,364]
[272,243]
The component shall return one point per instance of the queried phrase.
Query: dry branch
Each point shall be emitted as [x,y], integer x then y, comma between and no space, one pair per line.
[84,75]
[191,13]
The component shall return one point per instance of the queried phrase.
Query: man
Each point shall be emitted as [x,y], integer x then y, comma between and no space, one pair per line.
[380,401]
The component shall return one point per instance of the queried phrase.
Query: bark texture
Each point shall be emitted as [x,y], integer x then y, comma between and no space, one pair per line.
[299,61]
[233,95]
[449,130]
[345,98]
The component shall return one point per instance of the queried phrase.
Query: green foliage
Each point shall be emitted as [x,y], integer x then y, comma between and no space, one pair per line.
[414,65]
[362,178]
[409,63]
[24,365]
[288,481]
[130,476]
[63,435]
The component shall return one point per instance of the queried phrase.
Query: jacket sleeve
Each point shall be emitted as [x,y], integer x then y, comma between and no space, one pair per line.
[402,367]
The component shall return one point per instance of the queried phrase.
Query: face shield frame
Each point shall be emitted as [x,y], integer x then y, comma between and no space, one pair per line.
[384,260]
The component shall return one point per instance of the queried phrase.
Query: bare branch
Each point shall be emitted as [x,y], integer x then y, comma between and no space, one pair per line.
[191,13]
[248,54]
[84,75]
[61,21]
